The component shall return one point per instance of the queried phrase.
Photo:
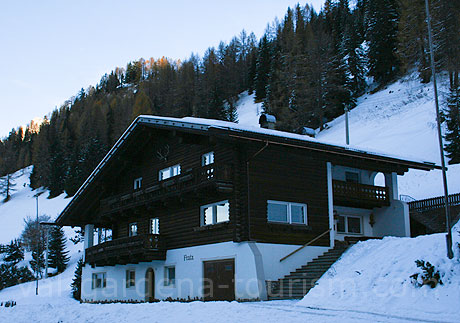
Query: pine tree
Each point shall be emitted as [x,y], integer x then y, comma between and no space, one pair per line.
[76,281]
[453,126]
[382,27]
[38,261]
[14,252]
[262,69]
[58,256]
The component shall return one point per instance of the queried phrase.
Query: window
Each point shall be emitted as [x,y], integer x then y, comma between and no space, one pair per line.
[130,278]
[99,280]
[207,159]
[154,226]
[137,183]
[215,213]
[349,224]
[169,172]
[352,177]
[132,230]
[286,212]
[170,276]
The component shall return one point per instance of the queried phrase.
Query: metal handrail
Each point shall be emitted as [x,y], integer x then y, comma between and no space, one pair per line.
[306,245]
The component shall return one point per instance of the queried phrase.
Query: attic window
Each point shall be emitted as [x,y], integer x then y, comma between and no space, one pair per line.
[168,172]
[137,183]
[132,229]
[207,159]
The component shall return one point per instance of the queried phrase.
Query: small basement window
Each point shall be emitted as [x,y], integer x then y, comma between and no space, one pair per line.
[168,172]
[132,229]
[170,276]
[98,281]
[349,224]
[207,159]
[130,278]
[154,226]
[214,213]
[286,212]
[137,183]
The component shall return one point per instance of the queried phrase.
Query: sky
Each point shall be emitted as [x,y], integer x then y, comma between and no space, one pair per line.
[52,49]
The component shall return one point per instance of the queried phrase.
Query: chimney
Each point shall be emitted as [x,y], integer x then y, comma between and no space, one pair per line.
[267,121]
[307,131]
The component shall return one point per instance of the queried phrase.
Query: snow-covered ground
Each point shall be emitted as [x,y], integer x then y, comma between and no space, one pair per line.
[374,276]
[23,204]
[370,283]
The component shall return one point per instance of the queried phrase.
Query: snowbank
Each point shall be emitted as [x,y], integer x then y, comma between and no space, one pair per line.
[374,276]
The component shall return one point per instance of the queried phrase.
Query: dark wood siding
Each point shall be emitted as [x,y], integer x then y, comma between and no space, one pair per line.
[291,175]
[179,216]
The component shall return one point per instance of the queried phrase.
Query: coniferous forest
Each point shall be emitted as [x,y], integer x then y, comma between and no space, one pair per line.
[306,69]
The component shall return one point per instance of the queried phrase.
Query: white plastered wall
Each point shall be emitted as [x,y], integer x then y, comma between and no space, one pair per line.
[254,264]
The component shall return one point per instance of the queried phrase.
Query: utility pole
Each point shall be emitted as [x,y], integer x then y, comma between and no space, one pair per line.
[450,253]
[37,261]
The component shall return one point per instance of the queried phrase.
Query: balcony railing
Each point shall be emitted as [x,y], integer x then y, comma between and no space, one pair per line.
[360,195]
[126,250]
[191,180]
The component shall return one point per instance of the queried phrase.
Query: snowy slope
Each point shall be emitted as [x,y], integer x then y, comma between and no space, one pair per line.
[373,276]
[400,119]
[23,204]
[248,111]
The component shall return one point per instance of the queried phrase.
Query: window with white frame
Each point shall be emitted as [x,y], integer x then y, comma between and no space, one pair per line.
[286,212]
[214,213]
[349,224]
[207,159]
[98,281]
[137,183]
[170,276]
[168,172]
[130,278]
[154,227]
[132,229]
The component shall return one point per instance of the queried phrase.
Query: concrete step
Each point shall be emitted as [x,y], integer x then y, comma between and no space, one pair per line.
[299,282]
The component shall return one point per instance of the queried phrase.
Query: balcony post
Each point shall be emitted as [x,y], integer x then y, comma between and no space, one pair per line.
[330,201]
[391,181]
[89,236]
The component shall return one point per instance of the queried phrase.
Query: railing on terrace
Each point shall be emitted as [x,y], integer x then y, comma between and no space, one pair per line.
[193,178]
[434,203]
[356,194]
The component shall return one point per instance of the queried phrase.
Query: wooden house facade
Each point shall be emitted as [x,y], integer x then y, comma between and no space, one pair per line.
[203,209]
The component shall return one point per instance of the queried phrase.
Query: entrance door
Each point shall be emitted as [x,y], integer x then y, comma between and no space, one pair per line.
[149,285]
[219,280]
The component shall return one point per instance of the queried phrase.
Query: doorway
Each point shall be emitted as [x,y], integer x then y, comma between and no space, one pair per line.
[219,280]
[149,285]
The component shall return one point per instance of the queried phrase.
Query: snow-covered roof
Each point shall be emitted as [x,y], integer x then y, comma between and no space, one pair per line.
[205,124]
[201,124]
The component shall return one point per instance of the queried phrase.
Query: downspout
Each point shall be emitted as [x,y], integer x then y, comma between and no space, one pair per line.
[247,174]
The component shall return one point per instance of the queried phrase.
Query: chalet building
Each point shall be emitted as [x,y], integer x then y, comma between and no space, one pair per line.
[203,209]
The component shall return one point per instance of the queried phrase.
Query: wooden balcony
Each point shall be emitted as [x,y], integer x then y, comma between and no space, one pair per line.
[359,195]
[129,250]
[218,177]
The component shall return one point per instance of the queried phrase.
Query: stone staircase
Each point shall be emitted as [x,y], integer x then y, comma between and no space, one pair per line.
[298,283]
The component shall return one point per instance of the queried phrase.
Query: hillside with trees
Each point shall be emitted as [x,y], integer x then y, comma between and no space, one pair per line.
[306,69]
